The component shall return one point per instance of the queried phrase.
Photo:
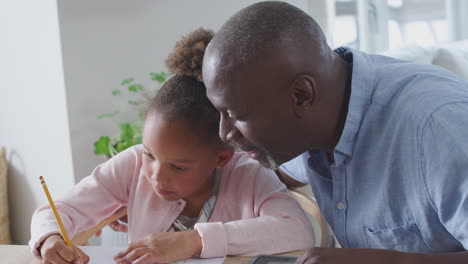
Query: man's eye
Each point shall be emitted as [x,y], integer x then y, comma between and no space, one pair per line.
[177,168]
[236,118]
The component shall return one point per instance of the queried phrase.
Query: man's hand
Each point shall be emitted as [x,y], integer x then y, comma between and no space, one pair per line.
[357,256]
[54,250]
[380,256]
[162,248]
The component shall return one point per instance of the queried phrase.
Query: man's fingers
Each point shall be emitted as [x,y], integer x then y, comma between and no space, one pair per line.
[311,260]
[305,257]
[301,259]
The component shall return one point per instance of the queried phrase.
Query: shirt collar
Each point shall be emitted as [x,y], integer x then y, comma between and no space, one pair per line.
[362,86]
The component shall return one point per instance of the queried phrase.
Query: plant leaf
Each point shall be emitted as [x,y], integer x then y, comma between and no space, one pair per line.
[126,132]
[123,145]
[139,140]
[133,102]
[159,77]
[115,92]
[111,114]
[135,87]
[127,81]
[101,147]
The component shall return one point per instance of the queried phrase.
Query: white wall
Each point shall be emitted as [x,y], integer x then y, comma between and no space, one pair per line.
[108,40]
[33,116]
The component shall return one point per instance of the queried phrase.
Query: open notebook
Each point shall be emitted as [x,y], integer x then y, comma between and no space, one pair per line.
[105,255]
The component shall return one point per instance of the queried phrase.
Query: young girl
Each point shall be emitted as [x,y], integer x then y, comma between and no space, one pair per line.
[182,178]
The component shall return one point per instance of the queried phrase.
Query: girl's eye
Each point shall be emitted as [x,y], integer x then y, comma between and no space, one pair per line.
[149,155]
[177,168]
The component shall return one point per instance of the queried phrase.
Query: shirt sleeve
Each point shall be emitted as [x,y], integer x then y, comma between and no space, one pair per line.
[297,168]
[94,198]
[280,224]
[445,167]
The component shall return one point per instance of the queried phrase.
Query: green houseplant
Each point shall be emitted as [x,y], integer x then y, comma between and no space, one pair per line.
[130,132]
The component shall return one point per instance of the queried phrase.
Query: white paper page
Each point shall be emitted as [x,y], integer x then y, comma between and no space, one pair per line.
[105,255]
[202,261]
[101,255]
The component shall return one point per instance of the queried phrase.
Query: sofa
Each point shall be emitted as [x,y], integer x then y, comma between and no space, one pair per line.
[452,56]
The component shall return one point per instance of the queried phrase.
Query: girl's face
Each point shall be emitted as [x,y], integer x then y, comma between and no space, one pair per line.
[176,162]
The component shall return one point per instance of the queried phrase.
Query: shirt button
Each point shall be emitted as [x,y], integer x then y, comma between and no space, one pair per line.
[341,206]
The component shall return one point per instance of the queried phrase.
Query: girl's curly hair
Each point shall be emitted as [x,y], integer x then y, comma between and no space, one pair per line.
[187,57]
[183,96]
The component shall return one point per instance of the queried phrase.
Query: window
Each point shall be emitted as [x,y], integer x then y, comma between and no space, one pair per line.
[377,25]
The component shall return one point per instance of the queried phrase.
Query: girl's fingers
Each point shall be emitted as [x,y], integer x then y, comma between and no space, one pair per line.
[146,258]
[130,247]
[65,252]
[55,258]
[81,256]
[134,254]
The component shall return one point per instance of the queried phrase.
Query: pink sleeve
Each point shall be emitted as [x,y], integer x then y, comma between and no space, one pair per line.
[280,224]
[91,200]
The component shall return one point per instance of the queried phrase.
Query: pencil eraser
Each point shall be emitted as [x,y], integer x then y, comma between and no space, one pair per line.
[41,178]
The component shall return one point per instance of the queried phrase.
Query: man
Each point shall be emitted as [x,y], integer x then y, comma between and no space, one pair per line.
[382,142]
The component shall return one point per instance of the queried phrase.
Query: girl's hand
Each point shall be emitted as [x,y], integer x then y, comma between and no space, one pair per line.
[55,250]
[162,248]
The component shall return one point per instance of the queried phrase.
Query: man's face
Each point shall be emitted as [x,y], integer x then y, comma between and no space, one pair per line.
[255,110]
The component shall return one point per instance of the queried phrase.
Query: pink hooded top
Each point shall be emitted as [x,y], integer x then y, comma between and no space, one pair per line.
[253,213]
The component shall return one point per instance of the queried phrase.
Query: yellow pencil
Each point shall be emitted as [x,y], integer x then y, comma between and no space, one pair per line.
[54,209]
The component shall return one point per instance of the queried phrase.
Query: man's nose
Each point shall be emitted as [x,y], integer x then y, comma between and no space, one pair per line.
[227,131]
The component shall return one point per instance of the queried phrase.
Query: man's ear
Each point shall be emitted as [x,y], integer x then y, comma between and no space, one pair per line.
[224,157]
[304,91]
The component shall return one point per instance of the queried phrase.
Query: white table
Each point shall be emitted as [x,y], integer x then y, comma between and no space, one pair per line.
[20,254]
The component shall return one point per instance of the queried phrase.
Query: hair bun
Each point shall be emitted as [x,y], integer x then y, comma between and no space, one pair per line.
[187,57]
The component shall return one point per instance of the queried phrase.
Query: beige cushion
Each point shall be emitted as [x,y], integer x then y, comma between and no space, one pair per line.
[4,215]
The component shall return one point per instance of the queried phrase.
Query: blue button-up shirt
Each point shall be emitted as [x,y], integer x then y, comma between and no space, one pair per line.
[399,179]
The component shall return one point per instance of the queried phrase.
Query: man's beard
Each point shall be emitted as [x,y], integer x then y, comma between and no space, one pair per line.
[268,161]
